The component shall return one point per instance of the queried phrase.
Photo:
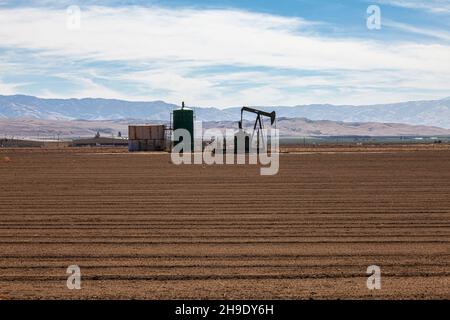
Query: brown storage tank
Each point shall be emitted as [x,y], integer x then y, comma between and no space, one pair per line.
[146,138]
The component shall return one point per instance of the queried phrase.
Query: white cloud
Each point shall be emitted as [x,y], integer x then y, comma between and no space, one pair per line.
[438,34]
[433,6]
[206,36]
[174,43]
[9,88]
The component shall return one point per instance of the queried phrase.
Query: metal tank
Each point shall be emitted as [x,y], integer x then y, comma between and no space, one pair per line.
[184,119]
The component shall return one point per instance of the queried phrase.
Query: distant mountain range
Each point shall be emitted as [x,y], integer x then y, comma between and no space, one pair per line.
[34,128]
[429,113]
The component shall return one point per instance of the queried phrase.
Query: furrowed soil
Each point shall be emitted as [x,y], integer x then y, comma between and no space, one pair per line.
[141,227]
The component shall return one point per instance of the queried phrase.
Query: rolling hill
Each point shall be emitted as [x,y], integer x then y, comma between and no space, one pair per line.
[33,128]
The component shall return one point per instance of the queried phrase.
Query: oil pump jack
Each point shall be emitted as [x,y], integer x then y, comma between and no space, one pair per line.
[258,126]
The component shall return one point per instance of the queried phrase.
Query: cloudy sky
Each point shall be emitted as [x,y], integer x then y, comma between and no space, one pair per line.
[226,53]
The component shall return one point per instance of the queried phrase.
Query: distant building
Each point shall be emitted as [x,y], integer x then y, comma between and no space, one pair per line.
[99,142]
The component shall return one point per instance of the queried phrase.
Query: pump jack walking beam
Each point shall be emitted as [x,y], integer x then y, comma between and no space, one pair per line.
[258,121]
[271,115]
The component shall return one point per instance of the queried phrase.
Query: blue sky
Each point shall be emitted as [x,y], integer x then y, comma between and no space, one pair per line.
[226,53]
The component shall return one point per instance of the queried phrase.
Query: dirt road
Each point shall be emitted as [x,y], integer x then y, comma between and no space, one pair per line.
[140,227]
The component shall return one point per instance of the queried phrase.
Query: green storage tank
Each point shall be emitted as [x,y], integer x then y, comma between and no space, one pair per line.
[184,119]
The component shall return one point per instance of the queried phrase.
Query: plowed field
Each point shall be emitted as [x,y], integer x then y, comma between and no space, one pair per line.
[141,227]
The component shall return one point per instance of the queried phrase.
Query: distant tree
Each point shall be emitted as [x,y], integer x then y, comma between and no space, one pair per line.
[97,135]
[119,134]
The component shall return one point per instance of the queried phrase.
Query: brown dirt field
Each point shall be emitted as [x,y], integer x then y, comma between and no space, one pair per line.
[140,227]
